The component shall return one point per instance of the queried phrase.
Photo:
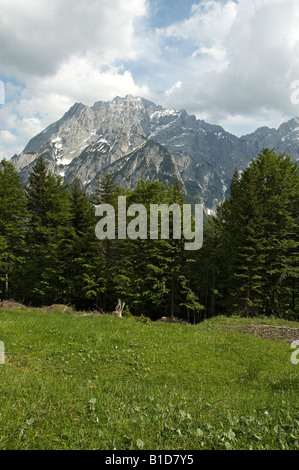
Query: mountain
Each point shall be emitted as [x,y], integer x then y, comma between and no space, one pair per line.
[285,139]
[135,139]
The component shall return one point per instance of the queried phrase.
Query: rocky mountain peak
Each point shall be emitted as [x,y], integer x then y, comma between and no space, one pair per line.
[134,138]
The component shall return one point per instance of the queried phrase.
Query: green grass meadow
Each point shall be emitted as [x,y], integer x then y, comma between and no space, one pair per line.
[74,382]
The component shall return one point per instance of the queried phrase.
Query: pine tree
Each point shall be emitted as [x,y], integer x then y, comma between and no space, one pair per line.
[259,226]
[85,268]
[152,275]
[36,191]
[137,273]
[106,190]
[49,236]
[12,227]
[205,275]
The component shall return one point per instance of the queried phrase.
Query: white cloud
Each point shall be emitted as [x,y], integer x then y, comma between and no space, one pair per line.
[175,87]
[82,79]
[230,62]
[29,126]
[245,124]
[46,99]
[210,21]
[7,137]
[40,35]
[62,53]
[246,57]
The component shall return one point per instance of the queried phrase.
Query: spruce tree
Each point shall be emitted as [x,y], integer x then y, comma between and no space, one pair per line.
[49,236]
[106,190]
[12,228]
[259,226]
[85,268]
[153,274]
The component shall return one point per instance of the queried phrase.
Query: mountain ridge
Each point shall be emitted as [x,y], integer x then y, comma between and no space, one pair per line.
[116,136]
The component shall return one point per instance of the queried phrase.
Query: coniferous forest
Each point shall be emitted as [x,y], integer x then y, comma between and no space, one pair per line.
[248,265]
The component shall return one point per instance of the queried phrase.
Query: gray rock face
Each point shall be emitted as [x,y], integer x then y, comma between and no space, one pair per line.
[285,139]
[149,162]
[135,139]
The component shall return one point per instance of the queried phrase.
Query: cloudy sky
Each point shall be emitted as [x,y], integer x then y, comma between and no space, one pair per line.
[230,62]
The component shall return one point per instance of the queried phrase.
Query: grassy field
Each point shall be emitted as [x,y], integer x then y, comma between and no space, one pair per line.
[83,382]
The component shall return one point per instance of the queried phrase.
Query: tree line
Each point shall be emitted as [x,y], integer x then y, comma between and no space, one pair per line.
[248,264]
